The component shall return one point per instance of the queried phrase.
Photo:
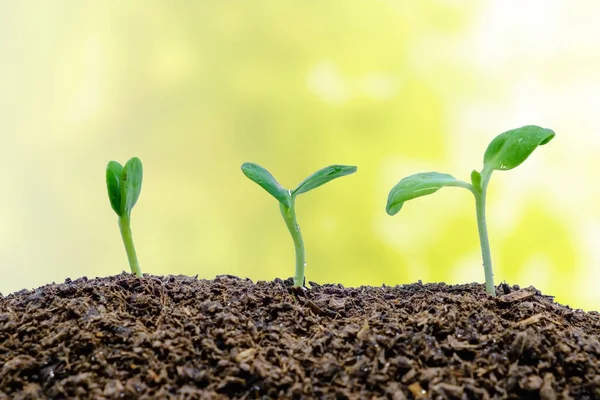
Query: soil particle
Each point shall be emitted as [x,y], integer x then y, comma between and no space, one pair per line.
[177,337]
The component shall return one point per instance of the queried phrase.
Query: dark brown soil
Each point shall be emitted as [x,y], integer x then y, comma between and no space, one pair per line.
[182,338]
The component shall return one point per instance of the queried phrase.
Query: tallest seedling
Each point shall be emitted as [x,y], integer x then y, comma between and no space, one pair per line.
[124,184]
[287,200]
[507,151]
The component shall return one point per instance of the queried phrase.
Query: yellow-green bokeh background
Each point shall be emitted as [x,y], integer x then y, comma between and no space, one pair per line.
[195,88]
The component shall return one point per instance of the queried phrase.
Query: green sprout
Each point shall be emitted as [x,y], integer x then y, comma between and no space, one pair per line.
[287,200]
[124,185]
[507,151]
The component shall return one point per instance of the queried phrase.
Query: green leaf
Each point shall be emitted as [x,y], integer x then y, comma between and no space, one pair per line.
[131,184]
[265,180]
[419,185]
[113,181]
[509,149]
[476,180]
[323,176]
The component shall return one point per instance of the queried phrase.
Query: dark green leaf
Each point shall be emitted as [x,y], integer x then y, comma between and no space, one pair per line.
[509,149]
[113,181]
[419,185]
[265,180]
[131,184]
[323,176]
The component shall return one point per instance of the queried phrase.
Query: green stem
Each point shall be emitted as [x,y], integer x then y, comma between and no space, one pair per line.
[125,226]
[289,216]
[480,196]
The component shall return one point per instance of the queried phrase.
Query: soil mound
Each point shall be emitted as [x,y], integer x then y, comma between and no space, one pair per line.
[177,337]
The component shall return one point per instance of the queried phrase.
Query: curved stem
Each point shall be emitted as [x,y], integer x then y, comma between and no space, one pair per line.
[480,197]
[289,216]
[462,184]
[125,226]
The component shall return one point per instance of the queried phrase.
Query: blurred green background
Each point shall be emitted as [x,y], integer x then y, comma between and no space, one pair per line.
[396,87]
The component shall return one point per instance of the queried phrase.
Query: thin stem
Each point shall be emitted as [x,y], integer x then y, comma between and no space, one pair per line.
[289,216]
[480,196]
[462,184]
[125,226]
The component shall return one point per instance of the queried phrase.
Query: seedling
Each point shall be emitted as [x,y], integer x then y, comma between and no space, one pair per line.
[287,200]
[507,151]
[124,185]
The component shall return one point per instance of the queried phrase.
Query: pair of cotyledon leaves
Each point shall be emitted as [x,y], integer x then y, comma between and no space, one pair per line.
[506,151]
[124,184]
[264,179]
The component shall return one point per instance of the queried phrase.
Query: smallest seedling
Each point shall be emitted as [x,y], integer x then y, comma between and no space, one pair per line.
[124,184]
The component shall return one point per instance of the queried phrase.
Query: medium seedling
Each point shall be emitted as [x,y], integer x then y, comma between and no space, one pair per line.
[507,151]
[287,200]
[124,185]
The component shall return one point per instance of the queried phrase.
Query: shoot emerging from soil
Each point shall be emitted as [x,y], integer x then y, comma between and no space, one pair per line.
[507,151]
[124,184]
[287,200]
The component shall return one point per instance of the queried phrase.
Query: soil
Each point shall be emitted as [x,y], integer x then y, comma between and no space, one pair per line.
[178,337]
